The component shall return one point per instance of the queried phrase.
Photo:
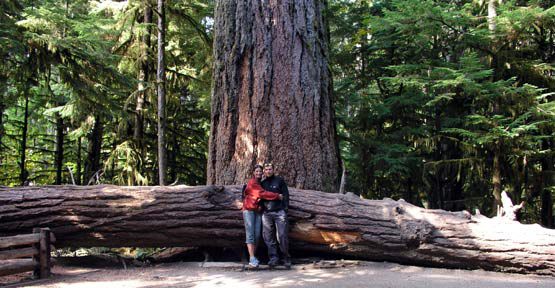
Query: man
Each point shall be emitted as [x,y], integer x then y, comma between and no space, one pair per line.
[274,218]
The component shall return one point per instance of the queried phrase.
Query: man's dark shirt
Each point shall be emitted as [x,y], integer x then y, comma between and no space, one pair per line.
[276,184]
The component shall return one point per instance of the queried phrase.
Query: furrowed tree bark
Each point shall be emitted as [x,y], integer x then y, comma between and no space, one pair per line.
[341,224]
[271,100]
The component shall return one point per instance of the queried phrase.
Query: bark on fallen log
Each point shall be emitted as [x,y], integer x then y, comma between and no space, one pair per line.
[112,216]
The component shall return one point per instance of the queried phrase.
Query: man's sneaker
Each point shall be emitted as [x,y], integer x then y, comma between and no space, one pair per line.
[273,263]
[287,264]
[253,262]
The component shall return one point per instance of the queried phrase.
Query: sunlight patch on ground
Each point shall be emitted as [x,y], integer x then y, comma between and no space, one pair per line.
[283,282]
[269,279]
[116,283]
[77,271]
[330,273]
[361,273]
[377,275]
[489,276]
[407,269]
[226,281]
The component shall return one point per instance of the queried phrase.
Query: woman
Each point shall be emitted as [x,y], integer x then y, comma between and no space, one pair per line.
[252,194]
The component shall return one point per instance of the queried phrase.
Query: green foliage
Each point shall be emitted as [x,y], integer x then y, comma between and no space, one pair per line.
[80,61]
[426,93]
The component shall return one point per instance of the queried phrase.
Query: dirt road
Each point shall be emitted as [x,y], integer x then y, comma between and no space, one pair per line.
[366,274]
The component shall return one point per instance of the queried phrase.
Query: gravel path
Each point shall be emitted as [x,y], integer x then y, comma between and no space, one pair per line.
[366,274]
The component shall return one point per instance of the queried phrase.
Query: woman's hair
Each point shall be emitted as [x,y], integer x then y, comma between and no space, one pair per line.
[257,166]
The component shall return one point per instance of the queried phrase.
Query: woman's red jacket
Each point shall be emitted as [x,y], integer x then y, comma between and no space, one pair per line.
[253,193]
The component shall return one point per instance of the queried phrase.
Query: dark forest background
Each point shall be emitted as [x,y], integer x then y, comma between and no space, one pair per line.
[442,103]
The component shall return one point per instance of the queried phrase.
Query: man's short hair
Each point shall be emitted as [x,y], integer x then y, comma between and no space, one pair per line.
[268,165]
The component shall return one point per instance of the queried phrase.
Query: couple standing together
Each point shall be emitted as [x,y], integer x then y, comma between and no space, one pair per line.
[265,205]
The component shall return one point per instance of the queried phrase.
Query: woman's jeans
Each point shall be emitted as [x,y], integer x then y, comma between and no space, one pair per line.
[253,226]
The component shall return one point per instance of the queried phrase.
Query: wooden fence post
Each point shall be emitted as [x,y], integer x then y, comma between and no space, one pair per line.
[44,253]
[15,259]
[36,257]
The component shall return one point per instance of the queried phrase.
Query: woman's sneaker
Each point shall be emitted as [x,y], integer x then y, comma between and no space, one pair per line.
[253,262]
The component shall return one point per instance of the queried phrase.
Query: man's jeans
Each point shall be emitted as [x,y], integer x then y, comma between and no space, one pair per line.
[272,221]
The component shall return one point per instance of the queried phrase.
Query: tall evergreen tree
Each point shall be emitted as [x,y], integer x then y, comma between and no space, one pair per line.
[161,89]
[433,111]
[272,94]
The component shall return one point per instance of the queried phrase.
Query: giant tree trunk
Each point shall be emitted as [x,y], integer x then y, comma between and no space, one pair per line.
[271,99]
[341,224]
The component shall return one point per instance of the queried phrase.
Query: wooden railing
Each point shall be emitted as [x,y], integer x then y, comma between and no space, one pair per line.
[28,252]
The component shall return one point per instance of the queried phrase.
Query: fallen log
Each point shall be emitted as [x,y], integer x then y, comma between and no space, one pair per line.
[113,216]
